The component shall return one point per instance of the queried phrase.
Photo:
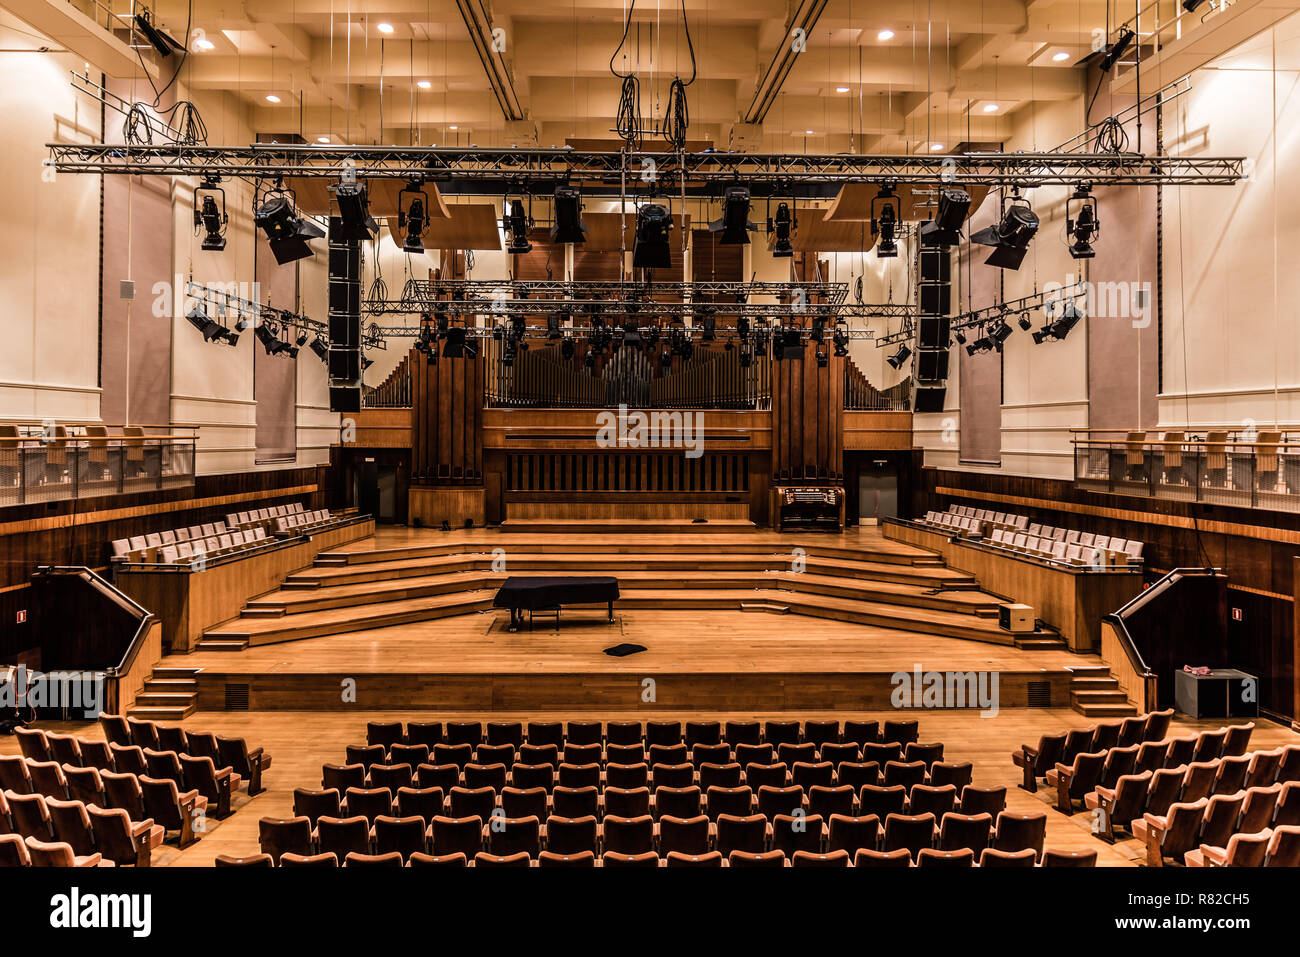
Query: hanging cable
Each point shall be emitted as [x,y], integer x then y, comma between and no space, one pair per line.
[677,116]
[628,122]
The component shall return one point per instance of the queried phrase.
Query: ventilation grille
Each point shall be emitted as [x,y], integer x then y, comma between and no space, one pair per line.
[236,697]
[1040,694]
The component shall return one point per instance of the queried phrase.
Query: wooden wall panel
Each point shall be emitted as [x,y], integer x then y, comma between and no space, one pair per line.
[808,418]
[447,409]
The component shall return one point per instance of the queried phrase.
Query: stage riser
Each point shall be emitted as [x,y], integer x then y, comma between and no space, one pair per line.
[589,692]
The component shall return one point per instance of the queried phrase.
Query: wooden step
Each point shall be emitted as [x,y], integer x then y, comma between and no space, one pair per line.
[762,606]
[165,713]
[1094,683]
[254,610]
[174,671]
[1098,697]
[1106,710]
[171,685]
[164,699]
[1040,644]
[222,644]
[1089,671]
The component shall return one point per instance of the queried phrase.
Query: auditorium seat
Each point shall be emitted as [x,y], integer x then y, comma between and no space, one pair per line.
[278,835]
[58,854]
[172,809]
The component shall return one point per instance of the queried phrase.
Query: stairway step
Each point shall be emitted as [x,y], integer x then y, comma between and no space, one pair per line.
[222,644]
[165,713]
[174,671]
[1106,710]
[1098,697]
[170,685]
[162,698]
[253,611]
[765,607]
[1040,644]
[1090,683]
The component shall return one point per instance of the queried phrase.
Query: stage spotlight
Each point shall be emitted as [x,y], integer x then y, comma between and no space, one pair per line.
[321,348]
[709,328]
[210,216]
[899,358]
[271,342]
[1081,223]
[650,248]
[745,358]
[1117,49]
[886,209]
[665,360]
[949,217]
[516,223]
[822,359]
[960,337]
[1011,237]
[354,211]
[734,224]
[781,225]
[566,349]
[631,334]
[999,334]
[787,344]
[1059,328]
[413,216]
[200,320]
[457,344]
[286,231]
[589,360]
[840,340]
[301,339]
[982,344]
[742,326]
[569,227]
[1023,322]
[160,41]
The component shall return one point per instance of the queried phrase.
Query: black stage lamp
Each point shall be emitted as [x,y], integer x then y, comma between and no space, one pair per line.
[734,224]
[781,225]
[900,357]
[354,211]
[1023,322]
[840,340]
[569,227]
[159,40]
[949,217]
[210,215]
[201,321]
[709,327]
[321,348]
[999,334]
[650,248]
[1081,223]
[1117,49]
[1057,329]
[745,358]
[413,216]
[631,335]
[516,224]
[457,344]
[886,210]
[285,229]
[787,344]
[1011,237]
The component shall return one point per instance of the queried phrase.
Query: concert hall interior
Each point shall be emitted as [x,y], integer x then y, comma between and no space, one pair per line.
[703,433]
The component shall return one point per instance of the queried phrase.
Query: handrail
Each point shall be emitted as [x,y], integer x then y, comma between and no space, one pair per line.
[147,618]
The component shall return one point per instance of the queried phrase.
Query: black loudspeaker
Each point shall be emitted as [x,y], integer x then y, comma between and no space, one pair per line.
[345,399]
[926,399]
[935,331]
[344,363]
[936,264]
[932,366]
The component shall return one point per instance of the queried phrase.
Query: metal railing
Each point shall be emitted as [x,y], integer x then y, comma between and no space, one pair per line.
[40,463]
[1219,467]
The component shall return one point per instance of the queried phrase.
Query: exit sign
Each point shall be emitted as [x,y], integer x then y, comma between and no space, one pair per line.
[1237,615]
[21,616]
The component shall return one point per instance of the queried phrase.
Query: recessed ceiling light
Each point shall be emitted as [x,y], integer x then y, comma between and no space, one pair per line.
[272,98]
[841,89]
[936,147]
[453,127]
[807,132]
[385,28]
[990,107]
[885,35]
[203,43]
[1060,56]
[424,85]
[322,139]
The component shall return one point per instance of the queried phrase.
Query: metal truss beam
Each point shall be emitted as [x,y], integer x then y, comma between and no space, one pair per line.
[538,171]
[832,293]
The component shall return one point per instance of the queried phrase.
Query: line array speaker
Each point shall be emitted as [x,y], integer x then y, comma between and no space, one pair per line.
[934,300]
[344,361]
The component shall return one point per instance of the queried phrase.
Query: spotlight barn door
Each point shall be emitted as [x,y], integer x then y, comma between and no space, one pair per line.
[345,320]
[932,340]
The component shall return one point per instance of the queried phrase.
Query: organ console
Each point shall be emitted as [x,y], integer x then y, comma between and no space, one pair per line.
[809,508]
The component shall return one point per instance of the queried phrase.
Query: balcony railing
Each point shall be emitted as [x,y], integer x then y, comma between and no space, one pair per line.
[1216,467]
[48,463]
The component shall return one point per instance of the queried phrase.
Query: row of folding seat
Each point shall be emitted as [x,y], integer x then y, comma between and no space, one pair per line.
[1015,532]
[301,522]
[505,836]
[661,732]
[260,517]
[991,857]
[1196,831]
[127,834]
[700,754]
[1273,847]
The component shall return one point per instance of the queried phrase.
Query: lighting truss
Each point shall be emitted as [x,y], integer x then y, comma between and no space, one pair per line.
[257,313]
[1001,310]
[540,330]
[832,293]
[496,172]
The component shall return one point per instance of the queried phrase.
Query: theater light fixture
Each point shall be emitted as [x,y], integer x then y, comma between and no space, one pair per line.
[650,247]
[886,211]
[1010,238]
[354,211]
[1024,322]
[949,217]
[516,224]
[210,215]
[569,227]
[268,334]
[159,40]
[734,224]
[413,216]
[200,320]
[321,348]
[1117,49]
[787,344]
[286,231]
[781,226]
[999,334]
[899,358]
[1057,329]
[1081,223]
[840,340]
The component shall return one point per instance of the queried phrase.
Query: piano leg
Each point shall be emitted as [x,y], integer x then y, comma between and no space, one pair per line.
[611,611]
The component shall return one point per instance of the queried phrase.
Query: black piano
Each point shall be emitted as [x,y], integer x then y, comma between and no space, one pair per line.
[539,594]
[810,508]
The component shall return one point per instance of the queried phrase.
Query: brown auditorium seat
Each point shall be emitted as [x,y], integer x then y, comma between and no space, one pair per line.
[368,802]
[171,737]
[343,836]
[1117,806]
[838,753]
[808,774]
[702,754]
[781,800]
[459,754]
[48,779]
[927,754]
[852,833]
[144,734]
[115,728]
[32,743]
[519,802]
[746,753]
[64,748]
[1164,789]
[533,776]
[865,857]
[1016,832]
[200,774]
[1284,847]
[684,835]
[394,776]
[252,860]
[1242,850]
[958,774]
[1077,741]
[711,859]
[759,776]
[203,744]
[737,802]
[678,802]
[472,802]
[623,733]
[958,831]
[413,755]
[789,752]
[1230,775]
[235,754]
[341,777]
[828,800]
[13,851]
[902,731]
[438,860]
[1288,805]
[797,832]
[976,800]
[1072,782]
[735,832]
[857,773]
[289,859]
[812,859]
[671,754]
[936,800]
[427,733]
[514,835]
[1157,726]
[663,733]
[123,791]
[1105,736]
[619,859]
[861,732]
[95,754]
[1132,731]
[30,816]
[906,773]
[882,801]
[912,831]
[464,732]
[1058,858]
[172,809]
[631,753]
[1178,751]
[1236,740]
[764,859]
[475,776]
[628,835]
[702,732]
[1151,756]
[129,760]
[1221,816]
[1198,781]
[384,733]
[742,732]
[582,753]
[568,836]
[1209,745]
[1119,762]
[403,835]
[121,840]
[1289,768]
[721,775]
[444,776]
[1263,768]
[777,733]
[572,802]
[391,859]
[85,785]
[672,775]
[882,752]
[627,802]
[483,859]
[71,825]
[627,776]
[451,835]
[553,859]
[276,835]
[932,857]
[1173,834]
[821,732]
[992,857]
[315,804]
[580,733]
[575,775]
[14,775]
[57,854]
